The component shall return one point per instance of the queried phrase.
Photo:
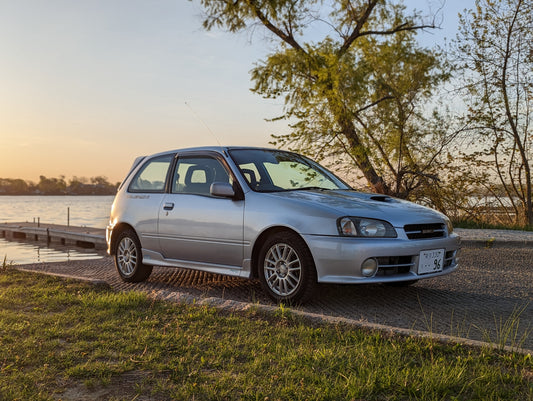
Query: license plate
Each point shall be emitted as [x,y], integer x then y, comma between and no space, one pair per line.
[431,261]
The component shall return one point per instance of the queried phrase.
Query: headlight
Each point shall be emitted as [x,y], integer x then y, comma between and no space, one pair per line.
[363,227]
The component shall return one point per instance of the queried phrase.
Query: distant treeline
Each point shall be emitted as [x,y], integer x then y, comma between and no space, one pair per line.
[58,186]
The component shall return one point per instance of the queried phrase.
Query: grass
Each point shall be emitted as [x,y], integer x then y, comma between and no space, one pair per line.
[508,334]
[66,340]
[508,330]
[488,225]
[5,265]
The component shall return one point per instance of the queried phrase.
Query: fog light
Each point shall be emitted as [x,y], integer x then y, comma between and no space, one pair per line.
[369,267]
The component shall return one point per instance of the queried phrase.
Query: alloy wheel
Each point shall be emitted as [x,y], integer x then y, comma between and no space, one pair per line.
[282,269]
[127,256]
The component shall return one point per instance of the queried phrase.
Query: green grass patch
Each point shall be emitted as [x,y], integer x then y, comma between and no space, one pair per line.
[65,340]
[5,265]
[487,225]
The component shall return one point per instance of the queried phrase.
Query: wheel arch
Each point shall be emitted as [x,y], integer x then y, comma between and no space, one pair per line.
[261,240]
[117,230]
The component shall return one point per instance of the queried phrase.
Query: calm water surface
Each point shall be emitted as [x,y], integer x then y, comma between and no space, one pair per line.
[85,211]
[37,252]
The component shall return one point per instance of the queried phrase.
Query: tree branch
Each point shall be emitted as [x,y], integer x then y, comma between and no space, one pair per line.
[399,28]
[287,37]
[357,30]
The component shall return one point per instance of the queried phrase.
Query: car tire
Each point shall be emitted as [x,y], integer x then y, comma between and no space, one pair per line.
[286,268]
[128,258]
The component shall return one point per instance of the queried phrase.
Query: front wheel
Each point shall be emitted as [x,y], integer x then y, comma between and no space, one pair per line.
[128,258]
[286,268]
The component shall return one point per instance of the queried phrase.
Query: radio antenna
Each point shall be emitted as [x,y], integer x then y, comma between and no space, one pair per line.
[203,122]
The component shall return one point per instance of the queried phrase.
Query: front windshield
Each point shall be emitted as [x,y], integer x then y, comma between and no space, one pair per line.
[276,170]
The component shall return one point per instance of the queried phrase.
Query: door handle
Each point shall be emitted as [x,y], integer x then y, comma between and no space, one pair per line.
[168,206]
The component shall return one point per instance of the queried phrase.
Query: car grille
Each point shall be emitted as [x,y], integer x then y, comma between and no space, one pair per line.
[420,231]
[398,265]
[393,265]
[449,258]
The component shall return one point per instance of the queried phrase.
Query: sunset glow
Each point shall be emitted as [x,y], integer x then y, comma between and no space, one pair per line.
[86,86]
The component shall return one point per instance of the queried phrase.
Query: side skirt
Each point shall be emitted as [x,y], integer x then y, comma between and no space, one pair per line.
[156,259]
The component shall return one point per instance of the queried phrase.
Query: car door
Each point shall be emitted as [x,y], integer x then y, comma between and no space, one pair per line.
[195,226]
[145,194]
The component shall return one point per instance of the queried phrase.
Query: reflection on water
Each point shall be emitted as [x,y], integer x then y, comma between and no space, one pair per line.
[82,211]
[37,252]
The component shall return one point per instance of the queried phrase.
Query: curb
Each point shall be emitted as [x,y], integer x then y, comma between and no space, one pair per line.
[92,281]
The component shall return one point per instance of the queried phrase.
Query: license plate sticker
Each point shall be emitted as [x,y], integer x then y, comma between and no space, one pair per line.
[431,261]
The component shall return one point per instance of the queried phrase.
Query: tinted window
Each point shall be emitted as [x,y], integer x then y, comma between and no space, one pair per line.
[152,176]
[194,175]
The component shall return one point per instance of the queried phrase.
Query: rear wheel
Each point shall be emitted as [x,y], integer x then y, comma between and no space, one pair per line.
[128,258]
[286,268]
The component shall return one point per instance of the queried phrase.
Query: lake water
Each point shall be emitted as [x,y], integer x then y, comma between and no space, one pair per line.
[36,252]
[85,211]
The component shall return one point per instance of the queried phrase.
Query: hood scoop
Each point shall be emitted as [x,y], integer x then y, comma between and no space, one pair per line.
[381,198]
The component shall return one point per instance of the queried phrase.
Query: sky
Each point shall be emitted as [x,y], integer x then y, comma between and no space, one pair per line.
[86,86]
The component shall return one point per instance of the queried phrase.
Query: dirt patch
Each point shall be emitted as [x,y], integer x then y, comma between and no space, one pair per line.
[134,385]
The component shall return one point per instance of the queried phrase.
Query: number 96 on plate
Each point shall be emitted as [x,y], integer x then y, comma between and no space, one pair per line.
[431,261]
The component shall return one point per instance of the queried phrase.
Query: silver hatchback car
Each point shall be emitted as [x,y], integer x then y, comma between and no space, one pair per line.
[272,215]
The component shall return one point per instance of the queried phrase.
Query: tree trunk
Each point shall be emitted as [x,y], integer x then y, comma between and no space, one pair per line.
[361,157]
[511,119]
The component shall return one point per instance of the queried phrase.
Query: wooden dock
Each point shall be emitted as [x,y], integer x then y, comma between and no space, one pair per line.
[83,237]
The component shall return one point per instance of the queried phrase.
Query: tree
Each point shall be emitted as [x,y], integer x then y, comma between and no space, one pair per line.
[10,186]
[52,186]
[94,186]
[494,46]
[57,186]
[355,94]
[403,144]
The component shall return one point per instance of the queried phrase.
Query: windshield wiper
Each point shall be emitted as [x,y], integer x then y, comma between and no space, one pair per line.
[308,188]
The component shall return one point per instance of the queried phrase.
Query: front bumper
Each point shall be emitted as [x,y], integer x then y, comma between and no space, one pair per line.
[108,236]
[338,259]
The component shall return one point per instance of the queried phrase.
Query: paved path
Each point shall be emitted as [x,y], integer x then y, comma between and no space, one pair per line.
[495,238]
[492,287]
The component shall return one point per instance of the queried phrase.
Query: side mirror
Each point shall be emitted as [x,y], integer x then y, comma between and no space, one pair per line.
[222,189]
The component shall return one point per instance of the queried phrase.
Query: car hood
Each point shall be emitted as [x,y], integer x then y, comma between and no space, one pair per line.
[360,204]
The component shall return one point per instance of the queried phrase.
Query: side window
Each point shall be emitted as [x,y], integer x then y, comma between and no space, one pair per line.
[152,176]
[194,175]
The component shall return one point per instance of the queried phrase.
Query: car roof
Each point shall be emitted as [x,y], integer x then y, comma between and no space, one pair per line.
[218,149]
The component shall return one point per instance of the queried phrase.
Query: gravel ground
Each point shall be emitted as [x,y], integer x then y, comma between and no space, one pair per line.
[499,238]
[492,288]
